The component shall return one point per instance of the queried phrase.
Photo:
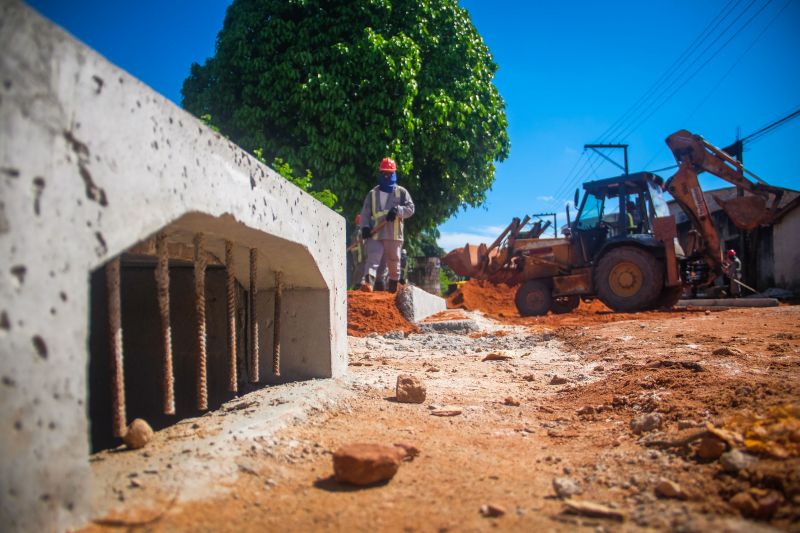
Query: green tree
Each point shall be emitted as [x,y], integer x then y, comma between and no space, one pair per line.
[335,86]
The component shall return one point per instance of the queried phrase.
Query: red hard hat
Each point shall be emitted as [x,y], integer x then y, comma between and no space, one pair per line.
[388,165]
[731,253]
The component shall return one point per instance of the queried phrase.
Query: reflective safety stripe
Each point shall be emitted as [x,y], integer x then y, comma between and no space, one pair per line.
[380,214]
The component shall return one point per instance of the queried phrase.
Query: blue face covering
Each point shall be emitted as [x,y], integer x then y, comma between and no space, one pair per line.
[387,182]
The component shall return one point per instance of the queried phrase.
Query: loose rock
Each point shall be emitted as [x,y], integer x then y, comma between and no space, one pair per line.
[566,487]
[365,464]
[735,460]
[586,410]
[511,401]
[645,423]
[410,451]
[409,389]
[137,436]
[594,510]
[490,510]
[447,410]
[744,503]
[558,380]
[710,448]
[669,489]
[494,356]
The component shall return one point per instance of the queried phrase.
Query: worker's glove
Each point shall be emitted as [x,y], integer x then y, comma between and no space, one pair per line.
[392,214]
[366,233]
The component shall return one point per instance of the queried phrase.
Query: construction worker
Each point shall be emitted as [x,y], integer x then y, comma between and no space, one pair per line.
[385,208]
[634,218]
[733,270]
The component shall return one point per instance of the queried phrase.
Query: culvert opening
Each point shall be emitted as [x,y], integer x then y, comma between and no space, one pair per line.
[185,329]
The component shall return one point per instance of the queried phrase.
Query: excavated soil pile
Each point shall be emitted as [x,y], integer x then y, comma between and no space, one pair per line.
[374,312]
[493,300]
[497,301]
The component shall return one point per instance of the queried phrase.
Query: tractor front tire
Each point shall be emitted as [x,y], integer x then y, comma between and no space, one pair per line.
[629,279]
[564,304]
[533,298]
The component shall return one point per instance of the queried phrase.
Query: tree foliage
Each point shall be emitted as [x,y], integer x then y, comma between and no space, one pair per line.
[335,86]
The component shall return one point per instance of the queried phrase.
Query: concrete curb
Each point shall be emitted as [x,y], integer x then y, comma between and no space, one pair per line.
[729,302]
[417,305]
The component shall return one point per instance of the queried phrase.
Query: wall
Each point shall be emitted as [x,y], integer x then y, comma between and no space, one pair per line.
[91,162]
[786,251]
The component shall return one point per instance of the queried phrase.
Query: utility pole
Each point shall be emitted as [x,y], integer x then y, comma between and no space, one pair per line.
[555,220]
[747,255]
[597,147]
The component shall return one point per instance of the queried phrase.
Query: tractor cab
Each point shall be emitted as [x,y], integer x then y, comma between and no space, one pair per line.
[617,209]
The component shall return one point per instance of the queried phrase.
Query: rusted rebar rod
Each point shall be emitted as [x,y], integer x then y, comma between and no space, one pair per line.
[276,327]
[200,262]
[253,316]
[231,287]
[162,286]
[115,337]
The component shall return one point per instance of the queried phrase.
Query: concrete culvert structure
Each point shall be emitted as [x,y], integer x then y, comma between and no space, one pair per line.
[122,213]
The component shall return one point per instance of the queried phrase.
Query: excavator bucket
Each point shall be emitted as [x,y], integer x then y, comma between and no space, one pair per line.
[468,261]
[746,212]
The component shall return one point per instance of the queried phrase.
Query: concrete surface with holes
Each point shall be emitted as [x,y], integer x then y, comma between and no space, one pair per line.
[92,163]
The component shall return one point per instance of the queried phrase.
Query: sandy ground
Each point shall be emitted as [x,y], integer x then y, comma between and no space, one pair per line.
[560,407]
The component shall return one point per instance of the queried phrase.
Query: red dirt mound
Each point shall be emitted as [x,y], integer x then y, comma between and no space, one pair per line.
[494,300]
[497,301]
[374,312]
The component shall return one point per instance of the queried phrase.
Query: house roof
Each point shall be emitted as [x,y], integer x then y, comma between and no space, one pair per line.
[789,201]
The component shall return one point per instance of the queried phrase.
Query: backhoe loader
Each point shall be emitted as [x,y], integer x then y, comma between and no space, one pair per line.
[622,246]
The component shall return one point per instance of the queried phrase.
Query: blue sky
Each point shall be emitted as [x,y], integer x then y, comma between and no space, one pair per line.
[568,72]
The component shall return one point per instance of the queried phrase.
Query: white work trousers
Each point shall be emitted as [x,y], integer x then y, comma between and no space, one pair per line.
[387,249]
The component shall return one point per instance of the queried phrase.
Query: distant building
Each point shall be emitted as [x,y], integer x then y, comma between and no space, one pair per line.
[771,253]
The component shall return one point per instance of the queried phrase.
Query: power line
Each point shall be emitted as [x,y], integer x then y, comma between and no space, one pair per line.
[728,72]
[709,30]
[642,120]
[738,59]
[701,37]
[763,131]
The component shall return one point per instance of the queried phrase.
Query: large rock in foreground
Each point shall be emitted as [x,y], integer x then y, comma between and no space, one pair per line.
[365,464]
[410,389]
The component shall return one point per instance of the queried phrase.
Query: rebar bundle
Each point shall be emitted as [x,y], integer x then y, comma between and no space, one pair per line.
[253,316]
[162,285]
[231,287]
[200,262]
[276,329]
[115,330]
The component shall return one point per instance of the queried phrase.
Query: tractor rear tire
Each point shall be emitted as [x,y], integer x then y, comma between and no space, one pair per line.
[669,297]
[564,304]
[629,279]
[533,298]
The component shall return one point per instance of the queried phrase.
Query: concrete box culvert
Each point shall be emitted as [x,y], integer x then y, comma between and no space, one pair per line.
[93,166]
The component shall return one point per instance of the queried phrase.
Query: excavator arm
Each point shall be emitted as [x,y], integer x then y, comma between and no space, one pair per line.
[696,155]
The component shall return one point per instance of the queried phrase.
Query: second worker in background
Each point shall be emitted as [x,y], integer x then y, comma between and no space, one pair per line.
[385,208]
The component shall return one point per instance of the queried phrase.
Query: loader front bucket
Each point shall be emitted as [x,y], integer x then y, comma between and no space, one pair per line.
[468,261]
[746,212]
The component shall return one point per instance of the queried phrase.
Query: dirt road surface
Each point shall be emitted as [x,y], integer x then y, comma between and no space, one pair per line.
[628,412]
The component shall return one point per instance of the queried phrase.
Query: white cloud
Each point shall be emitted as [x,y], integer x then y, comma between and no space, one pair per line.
[545,198]
[450,240]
